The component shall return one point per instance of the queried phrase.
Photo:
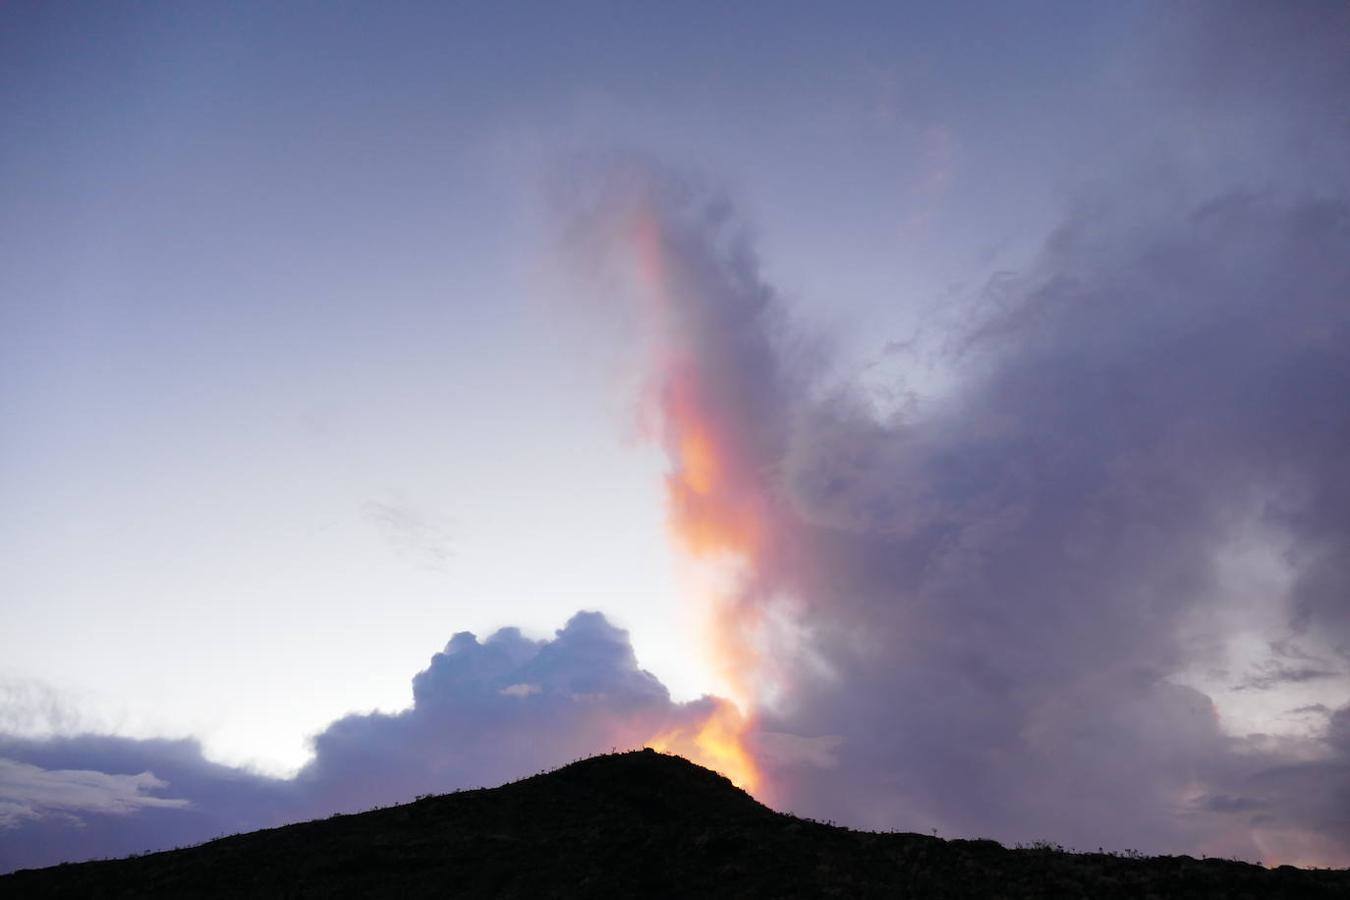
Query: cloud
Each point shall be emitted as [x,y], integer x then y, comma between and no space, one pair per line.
[86,796]
[484,712]
[30,792]
[413,535]
[32,708]
[1273,673]
[490,711]
[989,603]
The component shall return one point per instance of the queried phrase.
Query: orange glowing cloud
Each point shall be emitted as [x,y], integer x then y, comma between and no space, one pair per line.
[716,493]
[715,509]
[718,743]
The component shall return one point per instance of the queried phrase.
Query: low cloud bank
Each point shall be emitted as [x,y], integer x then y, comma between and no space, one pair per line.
[484,712]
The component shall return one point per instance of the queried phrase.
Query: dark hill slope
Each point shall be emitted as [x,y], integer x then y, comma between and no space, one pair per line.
[635,824]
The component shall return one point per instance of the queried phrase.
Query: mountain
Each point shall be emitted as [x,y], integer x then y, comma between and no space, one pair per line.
[636,824]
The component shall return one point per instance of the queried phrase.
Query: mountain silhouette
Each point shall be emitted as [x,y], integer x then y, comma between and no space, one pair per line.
[637,824]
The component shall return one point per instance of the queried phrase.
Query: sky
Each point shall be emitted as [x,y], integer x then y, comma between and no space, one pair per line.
[930,415]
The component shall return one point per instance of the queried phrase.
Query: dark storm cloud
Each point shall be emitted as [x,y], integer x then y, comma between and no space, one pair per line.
[996,596]
[484,712]
[1000,588]
[997,593]
[1003,584]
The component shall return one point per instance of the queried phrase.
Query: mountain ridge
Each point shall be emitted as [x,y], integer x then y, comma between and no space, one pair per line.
[635,823]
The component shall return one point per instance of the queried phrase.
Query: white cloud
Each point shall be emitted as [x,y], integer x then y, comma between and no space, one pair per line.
[31,792]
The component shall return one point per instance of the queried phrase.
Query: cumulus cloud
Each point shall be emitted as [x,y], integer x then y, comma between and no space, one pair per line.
[484,712]
[489,711]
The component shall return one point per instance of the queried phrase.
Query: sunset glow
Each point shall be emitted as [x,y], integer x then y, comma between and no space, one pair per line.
[716,504]
[717,743]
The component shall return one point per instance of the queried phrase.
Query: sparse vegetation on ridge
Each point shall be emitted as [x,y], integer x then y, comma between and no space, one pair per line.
[638,824]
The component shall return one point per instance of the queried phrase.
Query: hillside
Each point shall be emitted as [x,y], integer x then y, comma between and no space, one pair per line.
[635,824]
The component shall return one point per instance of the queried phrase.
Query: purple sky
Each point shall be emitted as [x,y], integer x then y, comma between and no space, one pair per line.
[1018,336]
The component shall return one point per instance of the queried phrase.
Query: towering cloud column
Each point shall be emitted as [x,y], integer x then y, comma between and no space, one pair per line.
[995,615]
[720,400]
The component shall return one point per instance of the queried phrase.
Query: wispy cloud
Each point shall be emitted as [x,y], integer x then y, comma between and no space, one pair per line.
[416,536]
[31,792]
